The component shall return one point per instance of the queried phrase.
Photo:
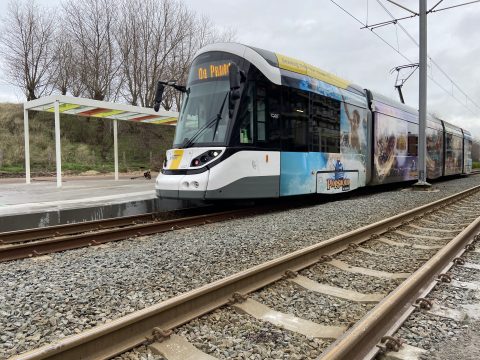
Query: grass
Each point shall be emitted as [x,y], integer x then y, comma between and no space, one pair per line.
[476,165]
[12,169]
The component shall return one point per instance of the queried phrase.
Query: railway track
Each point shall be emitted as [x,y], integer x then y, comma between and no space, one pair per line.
[432,242]
[42,241]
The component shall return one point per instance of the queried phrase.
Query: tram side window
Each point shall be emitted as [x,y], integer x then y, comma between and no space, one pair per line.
[261,112]
[294,120]
[245,116]
[273,116]
[449,139]
[324,127]
[412,139]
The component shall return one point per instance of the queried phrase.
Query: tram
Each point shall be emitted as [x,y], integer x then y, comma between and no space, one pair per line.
[258,124]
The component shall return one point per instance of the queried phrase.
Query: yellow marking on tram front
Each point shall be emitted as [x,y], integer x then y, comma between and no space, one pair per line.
[176,159]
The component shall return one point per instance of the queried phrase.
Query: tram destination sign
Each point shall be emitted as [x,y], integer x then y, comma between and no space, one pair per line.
[211,71]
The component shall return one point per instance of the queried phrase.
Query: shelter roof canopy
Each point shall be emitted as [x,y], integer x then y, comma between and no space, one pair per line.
[102,109]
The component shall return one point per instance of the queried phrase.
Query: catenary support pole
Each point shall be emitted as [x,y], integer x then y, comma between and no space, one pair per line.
[422,101]
[115,147]
[58,149]
[27,146]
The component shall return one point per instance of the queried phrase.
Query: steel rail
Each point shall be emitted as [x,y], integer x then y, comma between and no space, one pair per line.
[12,237]
[61,243]
[120,335]
[360,342]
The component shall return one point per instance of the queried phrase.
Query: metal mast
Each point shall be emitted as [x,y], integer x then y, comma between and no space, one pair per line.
[422,101]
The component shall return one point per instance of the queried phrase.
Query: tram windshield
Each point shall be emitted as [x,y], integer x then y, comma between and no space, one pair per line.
[204,115]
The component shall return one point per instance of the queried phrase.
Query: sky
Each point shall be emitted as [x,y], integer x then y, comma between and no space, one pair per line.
[320,33]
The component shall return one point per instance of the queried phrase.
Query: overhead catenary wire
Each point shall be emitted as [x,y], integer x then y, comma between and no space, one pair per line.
[408,59]
[373,32]
[434,6]
[451,7]
[430,58]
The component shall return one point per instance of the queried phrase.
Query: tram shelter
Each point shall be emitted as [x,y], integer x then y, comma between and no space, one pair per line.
[61,104]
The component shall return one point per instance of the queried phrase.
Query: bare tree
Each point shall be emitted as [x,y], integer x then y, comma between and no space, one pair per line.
[65,71]
[157,40]
[148,33]
[104,48]
[91,25]
[26,47]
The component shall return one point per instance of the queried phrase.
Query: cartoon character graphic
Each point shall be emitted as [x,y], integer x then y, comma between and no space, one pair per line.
[434,153]
[353,129]
[338,181]
[385,154]
[339,174]
[354,119]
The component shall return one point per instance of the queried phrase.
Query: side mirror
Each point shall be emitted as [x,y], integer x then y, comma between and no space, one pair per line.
[243,77]
[158,96]
[234,76]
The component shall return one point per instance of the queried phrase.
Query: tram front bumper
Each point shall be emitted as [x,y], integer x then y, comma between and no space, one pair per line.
[182,186]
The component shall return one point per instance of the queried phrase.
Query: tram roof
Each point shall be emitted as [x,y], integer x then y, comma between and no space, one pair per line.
[270,63]
[102,109]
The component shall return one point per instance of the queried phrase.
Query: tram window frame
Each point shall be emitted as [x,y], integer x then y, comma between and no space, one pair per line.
[273,116]
[321,125]
[295,118]
[247,123]
[261,120]
[412,139]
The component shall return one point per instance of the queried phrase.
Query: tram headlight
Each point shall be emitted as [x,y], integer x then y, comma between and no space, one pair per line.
[205,157]
[213,153]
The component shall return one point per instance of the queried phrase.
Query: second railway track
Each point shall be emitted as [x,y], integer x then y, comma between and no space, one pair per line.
[42,241]
[423,231]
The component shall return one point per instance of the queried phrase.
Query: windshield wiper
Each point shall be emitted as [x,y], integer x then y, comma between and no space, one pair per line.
[189,142]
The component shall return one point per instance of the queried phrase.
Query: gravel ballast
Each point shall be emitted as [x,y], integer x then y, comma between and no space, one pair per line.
[229,334]
[445,338]
[69,292]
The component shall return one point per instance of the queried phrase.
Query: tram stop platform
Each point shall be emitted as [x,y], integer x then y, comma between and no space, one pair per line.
[41,203]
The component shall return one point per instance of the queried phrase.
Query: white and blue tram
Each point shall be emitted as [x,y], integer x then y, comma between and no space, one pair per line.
[257,124]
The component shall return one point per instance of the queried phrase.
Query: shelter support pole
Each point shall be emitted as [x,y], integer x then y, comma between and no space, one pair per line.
[58,148]
[422,101]
[27,146]
[115,147]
